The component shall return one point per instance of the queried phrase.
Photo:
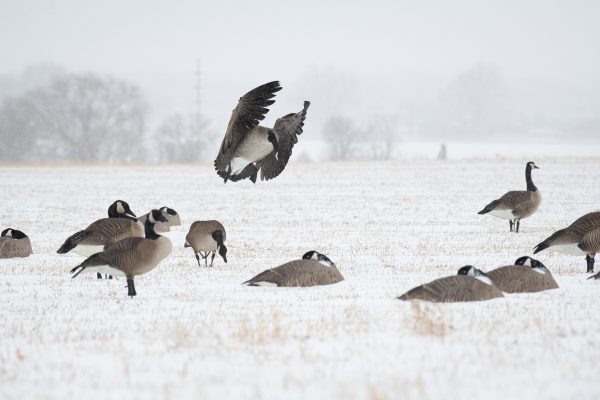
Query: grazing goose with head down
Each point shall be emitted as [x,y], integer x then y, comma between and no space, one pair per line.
[131,256]
[527,275]
[578,239]
[313,269]
[206,237]
[14,243]
[248,147]
[470,284]
[518,204]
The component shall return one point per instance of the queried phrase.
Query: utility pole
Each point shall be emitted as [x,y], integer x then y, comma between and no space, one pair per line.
[198,88]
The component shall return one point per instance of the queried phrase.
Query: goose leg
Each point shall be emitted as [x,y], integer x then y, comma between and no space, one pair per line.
[590,262]
[511,224]
[98,275]
[212,258]
[518,224]
[198,259]
[130,287]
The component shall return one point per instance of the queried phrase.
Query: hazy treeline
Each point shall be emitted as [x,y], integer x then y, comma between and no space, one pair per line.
[89,117]
[50,115]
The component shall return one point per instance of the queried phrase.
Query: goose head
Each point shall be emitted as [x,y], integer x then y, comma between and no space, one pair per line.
[316,256]
[120,209]
[533,263]
[13,233]
[470,270]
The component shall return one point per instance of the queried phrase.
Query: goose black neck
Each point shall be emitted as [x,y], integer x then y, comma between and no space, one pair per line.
[150,232]
[530,186]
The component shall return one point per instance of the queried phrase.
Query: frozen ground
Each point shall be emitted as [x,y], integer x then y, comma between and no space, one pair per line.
[197,333]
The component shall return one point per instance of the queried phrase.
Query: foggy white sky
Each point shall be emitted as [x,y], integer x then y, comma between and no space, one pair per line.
[393,51]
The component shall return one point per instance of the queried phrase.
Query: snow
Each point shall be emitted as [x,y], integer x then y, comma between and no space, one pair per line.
[196,332]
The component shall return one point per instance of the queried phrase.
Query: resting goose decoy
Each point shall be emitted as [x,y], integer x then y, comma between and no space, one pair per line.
[170,214]
[120,224]
[470,284]
[206,237]
[527,275]
[312,270]
[576,239]
[131,256]
[518,204]
[14,243]
[248,147]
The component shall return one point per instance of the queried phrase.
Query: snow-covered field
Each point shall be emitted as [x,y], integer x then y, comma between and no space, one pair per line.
[194,332]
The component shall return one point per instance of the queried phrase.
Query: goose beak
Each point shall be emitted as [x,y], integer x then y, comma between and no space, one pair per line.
[535,166]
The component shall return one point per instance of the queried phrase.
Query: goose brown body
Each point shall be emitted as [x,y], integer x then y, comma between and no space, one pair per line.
[521,279]
[11,247]
[298,273]
[582,237]
[457,288]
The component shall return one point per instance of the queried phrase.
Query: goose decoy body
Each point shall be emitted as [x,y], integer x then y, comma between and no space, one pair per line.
[14,243]
[172,216]
[131,256]
[312,270]
[527,275]
[470,284]
[518,204]
[578,239]
[249,147]
[206,237]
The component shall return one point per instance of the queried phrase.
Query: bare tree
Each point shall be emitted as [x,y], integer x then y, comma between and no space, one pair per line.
[79,117]
[341,134]
[181,139]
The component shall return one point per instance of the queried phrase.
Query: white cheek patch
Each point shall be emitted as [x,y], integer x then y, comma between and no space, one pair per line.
[120,208]
[9,233]
[484,279]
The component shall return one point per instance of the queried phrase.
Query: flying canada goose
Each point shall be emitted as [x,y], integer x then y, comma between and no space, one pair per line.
[470,284]
[206,237]
[172,216]
[14,243]
[121,223]
[576,239]
[313,269]
[518,204]
[131,256]
[527,275]
[248,147]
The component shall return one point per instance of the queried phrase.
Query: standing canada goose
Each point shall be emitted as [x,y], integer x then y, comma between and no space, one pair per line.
[518,204]
[313,269]
[470,284]
[172,216]
[121,223]
[572,240]
[14,243]
[527,275]
[248,147]
[206,237]
[131,256]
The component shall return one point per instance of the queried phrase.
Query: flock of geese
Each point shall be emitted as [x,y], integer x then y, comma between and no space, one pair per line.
[127,246]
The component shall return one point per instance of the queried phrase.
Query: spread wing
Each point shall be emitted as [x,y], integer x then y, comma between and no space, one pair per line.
[287,130]
[251,109]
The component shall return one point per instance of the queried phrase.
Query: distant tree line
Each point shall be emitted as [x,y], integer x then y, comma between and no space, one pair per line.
[87,117]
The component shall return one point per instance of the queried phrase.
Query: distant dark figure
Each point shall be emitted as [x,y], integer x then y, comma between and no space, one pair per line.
[443,152]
